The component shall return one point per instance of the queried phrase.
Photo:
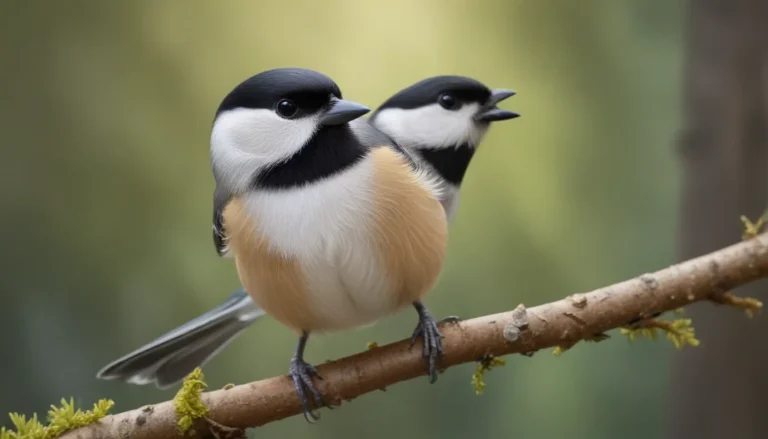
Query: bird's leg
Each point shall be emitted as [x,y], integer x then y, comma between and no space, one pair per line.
[302,372]
[431,337]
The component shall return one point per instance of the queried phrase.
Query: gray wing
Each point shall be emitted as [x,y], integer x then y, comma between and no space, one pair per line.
[172,356]
[220,199]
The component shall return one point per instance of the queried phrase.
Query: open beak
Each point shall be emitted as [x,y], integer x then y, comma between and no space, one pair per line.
[492,113]
[342,112]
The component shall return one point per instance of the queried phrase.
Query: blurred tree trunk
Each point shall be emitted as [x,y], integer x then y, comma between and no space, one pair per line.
[720,390]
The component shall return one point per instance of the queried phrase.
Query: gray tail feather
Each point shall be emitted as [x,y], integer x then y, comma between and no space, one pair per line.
[170,357]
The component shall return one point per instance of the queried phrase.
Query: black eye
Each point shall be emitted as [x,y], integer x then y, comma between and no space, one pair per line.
[447,101]
[286,108]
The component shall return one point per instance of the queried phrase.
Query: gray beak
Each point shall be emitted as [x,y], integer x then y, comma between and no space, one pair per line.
[342,112]
[491,113]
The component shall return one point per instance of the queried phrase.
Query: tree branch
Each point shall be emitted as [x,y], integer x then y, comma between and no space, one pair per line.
[560,323]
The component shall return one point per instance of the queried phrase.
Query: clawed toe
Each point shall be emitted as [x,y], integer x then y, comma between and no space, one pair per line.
[302,374]
[431,336]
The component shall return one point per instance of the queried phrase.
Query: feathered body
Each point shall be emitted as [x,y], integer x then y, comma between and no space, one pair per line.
[331,225]
[343,251]
[331,222]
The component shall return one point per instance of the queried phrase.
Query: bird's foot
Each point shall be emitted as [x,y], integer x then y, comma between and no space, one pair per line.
[302,374]
[431,336]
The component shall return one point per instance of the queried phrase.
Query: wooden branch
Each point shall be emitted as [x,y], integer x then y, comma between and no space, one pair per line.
[559,323]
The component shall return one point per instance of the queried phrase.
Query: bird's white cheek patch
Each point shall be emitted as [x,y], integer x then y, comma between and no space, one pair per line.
[431,126]
[245,140]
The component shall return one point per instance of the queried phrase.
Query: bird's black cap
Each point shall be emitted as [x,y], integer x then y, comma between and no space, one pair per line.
[308,88]
[426,92]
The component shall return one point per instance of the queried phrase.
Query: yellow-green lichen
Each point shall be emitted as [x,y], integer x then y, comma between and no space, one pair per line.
[679,332]
[564,346]
[60,420]
[483,365]
[188,400]
[750,305]
[751,229]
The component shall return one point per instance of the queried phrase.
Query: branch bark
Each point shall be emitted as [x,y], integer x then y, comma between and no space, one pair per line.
[559,323]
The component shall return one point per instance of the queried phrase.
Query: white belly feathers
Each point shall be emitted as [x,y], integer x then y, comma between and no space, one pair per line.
[326,228]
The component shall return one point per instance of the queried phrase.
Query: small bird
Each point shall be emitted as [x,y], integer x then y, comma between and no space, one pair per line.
[440,120]
[331,225]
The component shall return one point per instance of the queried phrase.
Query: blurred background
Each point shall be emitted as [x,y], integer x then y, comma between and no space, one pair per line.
[106,197]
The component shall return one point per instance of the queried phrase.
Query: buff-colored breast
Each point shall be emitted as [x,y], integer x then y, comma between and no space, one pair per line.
[274,281]
[343,253]
[411,227]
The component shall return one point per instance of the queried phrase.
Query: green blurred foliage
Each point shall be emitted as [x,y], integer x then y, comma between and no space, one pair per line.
[105,112]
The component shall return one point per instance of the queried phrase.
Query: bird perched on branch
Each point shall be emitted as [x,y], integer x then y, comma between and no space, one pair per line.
[440,120]
[331,224]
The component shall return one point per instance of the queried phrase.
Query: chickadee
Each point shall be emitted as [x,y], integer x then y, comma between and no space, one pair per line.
[331,225]
[440,121]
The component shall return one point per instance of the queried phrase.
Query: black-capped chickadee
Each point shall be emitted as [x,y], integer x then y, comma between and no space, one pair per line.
[331,225]
[440,121]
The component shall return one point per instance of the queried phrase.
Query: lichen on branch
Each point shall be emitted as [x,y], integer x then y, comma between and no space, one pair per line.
[188,400]
[751,229]
[486,363]
[750,305]
[680,332]
[60,420]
